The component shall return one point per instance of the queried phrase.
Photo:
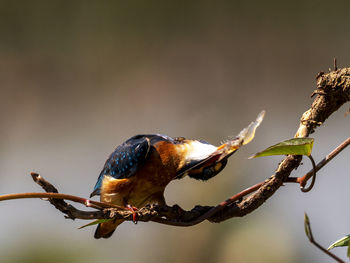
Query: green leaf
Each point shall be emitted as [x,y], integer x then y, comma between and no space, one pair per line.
[348,250]
[307,227]
[341,242]
[98,221]
[295,146]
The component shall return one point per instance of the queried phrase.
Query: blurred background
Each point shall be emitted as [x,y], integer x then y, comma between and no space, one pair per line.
[79,78]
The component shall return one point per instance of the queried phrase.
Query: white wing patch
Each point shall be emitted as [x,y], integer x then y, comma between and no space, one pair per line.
[196,151]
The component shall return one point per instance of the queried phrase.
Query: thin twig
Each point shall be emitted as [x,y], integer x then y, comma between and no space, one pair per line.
[313,241]
[77,199]
[302,180]
[302,187]
[335,64]
[213,210]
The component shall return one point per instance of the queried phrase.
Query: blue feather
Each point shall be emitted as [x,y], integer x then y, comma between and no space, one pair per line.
[128,158]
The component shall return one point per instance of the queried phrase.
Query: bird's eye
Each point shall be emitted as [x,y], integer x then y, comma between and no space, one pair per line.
[179,139]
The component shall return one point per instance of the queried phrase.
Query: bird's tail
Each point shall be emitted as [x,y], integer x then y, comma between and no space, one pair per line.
[105,230]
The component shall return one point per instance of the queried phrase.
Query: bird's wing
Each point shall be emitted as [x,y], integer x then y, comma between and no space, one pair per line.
[125,161]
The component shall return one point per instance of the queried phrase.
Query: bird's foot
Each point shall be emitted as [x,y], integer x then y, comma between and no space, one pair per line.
[133,209]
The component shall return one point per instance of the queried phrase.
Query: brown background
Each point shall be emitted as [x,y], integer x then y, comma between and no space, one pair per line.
[79,78]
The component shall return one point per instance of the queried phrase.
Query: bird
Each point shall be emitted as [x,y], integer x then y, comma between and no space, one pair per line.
[138,170]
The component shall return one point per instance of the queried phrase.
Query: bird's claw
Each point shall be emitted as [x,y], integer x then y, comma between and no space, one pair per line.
[133,209]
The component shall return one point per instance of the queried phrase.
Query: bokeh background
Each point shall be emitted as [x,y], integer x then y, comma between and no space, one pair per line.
[79,78]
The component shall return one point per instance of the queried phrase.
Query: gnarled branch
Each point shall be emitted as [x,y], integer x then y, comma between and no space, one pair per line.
[333,90]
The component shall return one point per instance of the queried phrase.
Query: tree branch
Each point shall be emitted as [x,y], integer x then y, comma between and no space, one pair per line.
[333,90]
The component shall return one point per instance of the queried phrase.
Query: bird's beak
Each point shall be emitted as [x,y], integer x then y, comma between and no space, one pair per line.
[244,137]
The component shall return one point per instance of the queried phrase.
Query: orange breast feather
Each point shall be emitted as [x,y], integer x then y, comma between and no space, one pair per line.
[148,183]
[115,190]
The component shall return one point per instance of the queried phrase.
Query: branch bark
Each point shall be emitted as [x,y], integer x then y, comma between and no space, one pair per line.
[333,90]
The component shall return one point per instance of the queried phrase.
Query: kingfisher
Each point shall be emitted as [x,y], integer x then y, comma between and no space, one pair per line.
[139,169]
